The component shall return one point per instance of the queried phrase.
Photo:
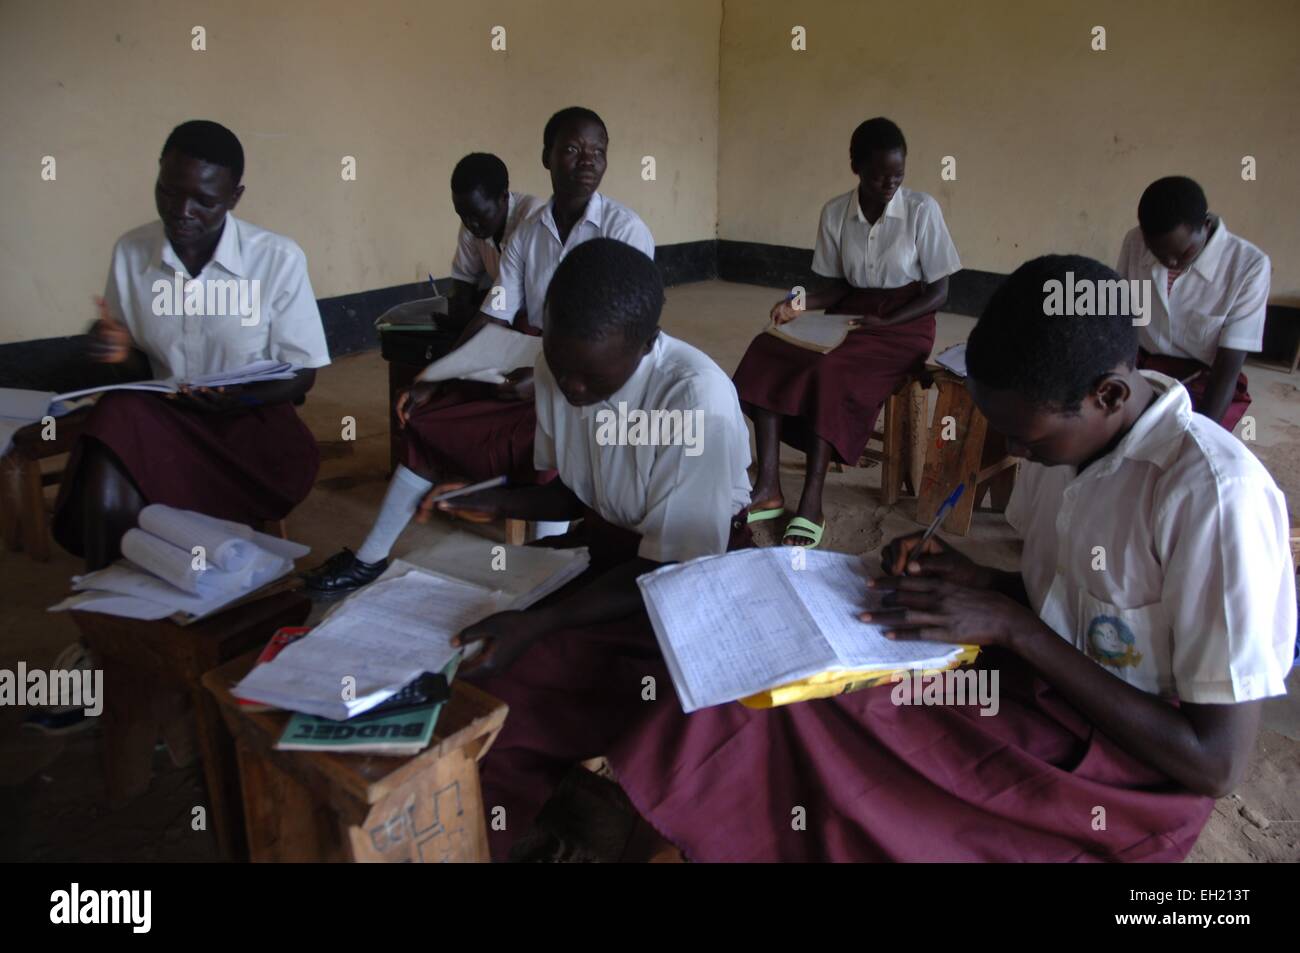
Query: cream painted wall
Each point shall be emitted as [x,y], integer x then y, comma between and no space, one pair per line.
[406,86]
[1054,143]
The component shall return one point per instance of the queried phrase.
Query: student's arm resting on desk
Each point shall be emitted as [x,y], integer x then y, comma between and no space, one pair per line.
[1204,747]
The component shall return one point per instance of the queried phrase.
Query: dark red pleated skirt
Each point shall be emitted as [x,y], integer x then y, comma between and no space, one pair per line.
[1180,368]
[247,467]
[869,780]
[466,432]
[835,396]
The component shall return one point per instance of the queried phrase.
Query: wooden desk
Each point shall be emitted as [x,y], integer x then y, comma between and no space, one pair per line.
[151,680]
[976,456]
[306,806]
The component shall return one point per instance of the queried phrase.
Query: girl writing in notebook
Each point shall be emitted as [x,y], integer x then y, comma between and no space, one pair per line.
[885,255]
[1153,611]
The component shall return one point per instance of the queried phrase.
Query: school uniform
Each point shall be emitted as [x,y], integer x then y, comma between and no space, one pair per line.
[837,396]
[1219,300]
[1196,602]
[245,465]
[477,261]
[575,691]
[466,431]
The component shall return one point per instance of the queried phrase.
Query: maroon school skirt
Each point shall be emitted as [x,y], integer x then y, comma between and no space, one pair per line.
[466,432]
[574,693]
[1180,368]
[835,396]
[247,467]
[878,781]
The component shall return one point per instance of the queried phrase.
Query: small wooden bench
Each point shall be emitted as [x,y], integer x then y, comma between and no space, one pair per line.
[310,806]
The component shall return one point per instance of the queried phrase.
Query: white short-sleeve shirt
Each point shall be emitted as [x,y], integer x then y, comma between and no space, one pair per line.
[535,251]
[253,301]
[680,487]
[909,242]
[1167,561]
[478,260]
[1218,301]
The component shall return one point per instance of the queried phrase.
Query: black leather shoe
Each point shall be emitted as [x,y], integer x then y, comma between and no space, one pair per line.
[343,572]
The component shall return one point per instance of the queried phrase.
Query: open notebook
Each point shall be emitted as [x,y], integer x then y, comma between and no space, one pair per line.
[814,331]
[735,625]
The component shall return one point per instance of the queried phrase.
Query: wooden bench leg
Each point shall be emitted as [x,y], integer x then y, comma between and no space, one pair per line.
[36,526]
[516,532]
[891,476]
[130,731]
[11,503]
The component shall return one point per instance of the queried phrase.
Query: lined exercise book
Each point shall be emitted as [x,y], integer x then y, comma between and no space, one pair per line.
[488,356]
[734,625]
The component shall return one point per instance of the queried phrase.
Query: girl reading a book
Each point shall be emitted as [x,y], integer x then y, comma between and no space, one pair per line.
[239,453]
[885,255]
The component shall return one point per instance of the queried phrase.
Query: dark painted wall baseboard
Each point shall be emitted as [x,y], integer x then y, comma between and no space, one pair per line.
[51,364]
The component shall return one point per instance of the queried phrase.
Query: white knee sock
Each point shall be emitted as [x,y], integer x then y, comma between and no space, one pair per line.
[405,491]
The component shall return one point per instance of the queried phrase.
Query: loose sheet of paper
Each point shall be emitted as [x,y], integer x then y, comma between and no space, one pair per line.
[526,573]
[488,356]
[381,638]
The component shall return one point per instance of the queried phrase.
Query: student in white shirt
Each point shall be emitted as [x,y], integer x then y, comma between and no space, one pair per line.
[197,292]
[479,431]
[489,212]
[1122,669]
[675,496]
[885,255]
[1209,294]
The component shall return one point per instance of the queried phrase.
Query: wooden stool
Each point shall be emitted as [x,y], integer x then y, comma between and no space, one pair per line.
[976,457]
[24,522]
[309,806]
[151,679]
[900,419]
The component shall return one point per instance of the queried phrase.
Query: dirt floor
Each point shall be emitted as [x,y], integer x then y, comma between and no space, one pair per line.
[51,790]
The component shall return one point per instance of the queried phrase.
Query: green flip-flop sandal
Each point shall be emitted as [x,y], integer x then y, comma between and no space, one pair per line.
[758,516]
[804,529]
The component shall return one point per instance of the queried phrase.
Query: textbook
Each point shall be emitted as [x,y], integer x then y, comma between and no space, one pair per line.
[814,331]
[746,622]
[253,373]
[405,732]
[488,356]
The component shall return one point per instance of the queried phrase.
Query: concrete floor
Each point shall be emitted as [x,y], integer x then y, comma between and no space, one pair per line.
[50,789]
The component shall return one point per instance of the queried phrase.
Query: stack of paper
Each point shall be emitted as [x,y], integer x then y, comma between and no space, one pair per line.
[371,645]
[178,562]
[488,356]
[733,625]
